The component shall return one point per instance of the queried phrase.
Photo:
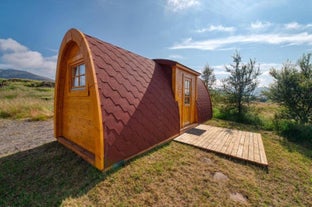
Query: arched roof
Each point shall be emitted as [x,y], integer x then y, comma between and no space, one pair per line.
[203,102]
[138,107]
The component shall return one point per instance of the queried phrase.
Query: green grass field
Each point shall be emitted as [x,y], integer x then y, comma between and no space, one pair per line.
[171,175]
[23,99]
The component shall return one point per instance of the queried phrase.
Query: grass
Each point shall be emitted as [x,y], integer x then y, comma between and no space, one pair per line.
[260,114]
[25,99]
[171,175]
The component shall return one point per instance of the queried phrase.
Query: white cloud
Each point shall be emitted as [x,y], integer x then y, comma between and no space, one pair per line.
[241,9]
[179,5]
[219,28]
[275,39]
[296,26]
[265,79]
[10,45]
[258,25]
[293,25]
[175,56]
[14,55]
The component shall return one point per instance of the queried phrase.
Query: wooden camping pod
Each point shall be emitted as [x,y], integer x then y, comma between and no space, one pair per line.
[112,104]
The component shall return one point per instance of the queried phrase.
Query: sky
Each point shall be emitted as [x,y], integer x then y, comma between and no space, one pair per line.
[192,32]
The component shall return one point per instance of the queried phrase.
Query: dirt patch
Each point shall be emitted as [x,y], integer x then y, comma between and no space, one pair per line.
[16,135]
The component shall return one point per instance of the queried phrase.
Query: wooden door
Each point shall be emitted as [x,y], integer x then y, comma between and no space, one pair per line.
[187,99]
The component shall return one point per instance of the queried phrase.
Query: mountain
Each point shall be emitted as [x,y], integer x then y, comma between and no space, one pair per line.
[12,73]
[259,90]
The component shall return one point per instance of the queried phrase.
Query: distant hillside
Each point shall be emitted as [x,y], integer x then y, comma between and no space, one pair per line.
[12,73]
[259,90]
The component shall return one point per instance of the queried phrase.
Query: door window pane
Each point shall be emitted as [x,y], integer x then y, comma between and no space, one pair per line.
[187,92]
[78,77]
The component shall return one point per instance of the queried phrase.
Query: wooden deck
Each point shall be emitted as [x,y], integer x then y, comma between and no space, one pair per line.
[242,145]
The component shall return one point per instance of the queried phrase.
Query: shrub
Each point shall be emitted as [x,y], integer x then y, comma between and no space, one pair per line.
[250,116]
[293,131]
[292,89]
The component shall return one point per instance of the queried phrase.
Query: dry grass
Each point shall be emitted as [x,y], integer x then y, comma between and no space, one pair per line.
[171,175]
[265,109]
[18,101]
[179,175]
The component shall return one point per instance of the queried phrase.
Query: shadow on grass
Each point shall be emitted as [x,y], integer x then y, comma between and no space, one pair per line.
[297,137]
[231,125]
[303,147]
[45,176]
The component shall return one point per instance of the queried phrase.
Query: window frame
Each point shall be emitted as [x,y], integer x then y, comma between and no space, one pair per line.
[80,90]
[187,96]
[79,77]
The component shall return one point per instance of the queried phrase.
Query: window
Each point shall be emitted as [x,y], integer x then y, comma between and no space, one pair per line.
[187,92]
[78,77]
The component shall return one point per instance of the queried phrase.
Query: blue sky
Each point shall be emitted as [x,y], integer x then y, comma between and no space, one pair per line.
[192,32]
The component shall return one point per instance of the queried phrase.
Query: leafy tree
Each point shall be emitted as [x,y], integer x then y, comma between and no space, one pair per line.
[293,89]
[208,76]
[241,83]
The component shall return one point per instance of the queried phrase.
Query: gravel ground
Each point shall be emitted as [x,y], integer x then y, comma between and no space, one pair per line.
[21,135]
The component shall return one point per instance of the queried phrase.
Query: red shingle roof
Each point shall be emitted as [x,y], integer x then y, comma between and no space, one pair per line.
[203,102]
[138,106]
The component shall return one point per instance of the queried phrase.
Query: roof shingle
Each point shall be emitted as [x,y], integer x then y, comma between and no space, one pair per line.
[138,107]
[203,103]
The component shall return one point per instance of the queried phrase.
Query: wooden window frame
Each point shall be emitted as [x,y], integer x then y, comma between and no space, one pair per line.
[77,91]
[77,75]
[187,96]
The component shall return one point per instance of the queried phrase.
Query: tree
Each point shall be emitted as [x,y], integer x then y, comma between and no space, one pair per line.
[208,76]
[241,83]
[292,89]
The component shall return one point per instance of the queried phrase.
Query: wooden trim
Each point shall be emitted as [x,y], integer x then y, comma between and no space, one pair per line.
[85,154]
[174,63]
[99,145]
[78,38]
[188,70]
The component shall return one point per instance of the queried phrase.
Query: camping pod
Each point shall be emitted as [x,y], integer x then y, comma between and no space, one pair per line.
[112,104]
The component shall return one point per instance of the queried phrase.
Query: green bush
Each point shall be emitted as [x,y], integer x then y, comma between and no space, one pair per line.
[249,116]
[267,124]
[293,131]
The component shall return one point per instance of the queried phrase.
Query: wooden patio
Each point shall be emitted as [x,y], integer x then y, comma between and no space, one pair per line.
[242,145]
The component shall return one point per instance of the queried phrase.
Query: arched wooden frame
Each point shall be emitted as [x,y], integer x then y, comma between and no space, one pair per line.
[75,37]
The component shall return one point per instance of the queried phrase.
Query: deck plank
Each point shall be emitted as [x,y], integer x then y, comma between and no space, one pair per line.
[243,145]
